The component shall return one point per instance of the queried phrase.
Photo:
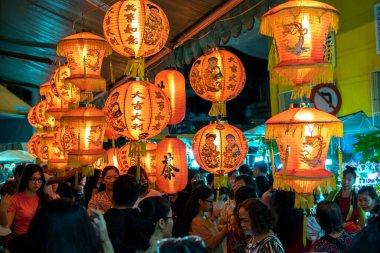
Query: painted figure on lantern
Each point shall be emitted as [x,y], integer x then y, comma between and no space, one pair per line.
[95,136]
[312,149]
[169,169]
[232,152]
[92,59]
[295,29]
[196,78]
[213,75]
[209,152]
[114,112]
[153,26]
[68,137]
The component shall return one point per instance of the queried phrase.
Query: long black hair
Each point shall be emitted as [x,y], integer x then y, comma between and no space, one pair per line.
[329,216]
[27,174]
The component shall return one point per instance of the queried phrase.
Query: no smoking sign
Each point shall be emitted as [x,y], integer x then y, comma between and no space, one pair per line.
[327,98]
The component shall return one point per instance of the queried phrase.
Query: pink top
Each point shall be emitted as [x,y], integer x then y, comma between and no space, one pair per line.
[24,208]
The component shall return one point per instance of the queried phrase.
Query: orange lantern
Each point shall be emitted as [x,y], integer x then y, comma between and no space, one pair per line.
[67,92]
[303,136]
[50,150]
[219,148]
[172,167]
[110,134]
[41,148]
[136,28]
[31,145]
[84,52]
[32,118]
[137,110]
[147,160]
[173,84]
[218,76]
[41,117]
[55,105]
[82,134]
[112,157]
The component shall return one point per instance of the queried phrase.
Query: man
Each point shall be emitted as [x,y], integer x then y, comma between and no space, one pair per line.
[260,171]
[10,186]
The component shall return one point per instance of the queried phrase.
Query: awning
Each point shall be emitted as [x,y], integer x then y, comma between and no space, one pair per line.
[11,105]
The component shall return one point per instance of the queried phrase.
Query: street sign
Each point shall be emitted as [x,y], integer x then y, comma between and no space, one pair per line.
[326,97]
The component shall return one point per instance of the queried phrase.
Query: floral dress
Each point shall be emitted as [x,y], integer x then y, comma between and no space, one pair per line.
[326,245]
[270,244]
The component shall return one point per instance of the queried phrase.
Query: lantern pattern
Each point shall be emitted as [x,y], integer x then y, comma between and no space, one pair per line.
[55,105]
[50,150]
[171,175]
[173,84]
[84,52]
[66,91]
[303,136]
[219,147]
[32,118]
[40,116]
[136,28]
[31,145]
[82,134]
[147,159]
[137,110]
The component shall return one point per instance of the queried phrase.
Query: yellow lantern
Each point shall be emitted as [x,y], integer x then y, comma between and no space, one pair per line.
[218,76]
[32,118]
[303,136]
[137,110]
[67,92]
[42,117]
[173,84]
[82,134]
[55,105]
[219,148]
[31,145]
[84,52]
[172,167]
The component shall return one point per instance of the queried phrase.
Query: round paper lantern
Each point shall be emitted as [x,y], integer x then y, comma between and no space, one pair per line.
[31,145]
[84,52]
[110,134]
[41,117]
[32,118]
[147,160]
[67,92]
[82,134]
[173,84]
[55,105]
[303,136]
[218,76]
[219,148]
[51,151]
[41,148]
[171,174]
[300,29]
[137,110]
[136,28]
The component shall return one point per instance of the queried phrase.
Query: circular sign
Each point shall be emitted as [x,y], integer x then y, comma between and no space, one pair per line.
[326,97]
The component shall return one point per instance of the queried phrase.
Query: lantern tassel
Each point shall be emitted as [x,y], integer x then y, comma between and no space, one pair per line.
[286,161]
[111,70]
[273,59]
[272,158]
[340,162]
[291,183]
[301,91]
[220,180]
[218,109]
[76,180]
[84,66]
[304,200]
[304,227]
[138,172]
[135,67]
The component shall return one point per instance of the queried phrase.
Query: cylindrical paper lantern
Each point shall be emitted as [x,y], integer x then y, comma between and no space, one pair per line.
[55,105]
[218,76]
[51,151]
[173,84]
[136,28]
[31,145]
[67,92]
[171,175]
[219,147]
[137,110]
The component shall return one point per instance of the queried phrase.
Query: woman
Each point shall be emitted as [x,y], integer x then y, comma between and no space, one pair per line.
[346,198]
[257,221]
[102,201]
[62,225]
[196,223]
[21,207]
[368,201]
[152,221]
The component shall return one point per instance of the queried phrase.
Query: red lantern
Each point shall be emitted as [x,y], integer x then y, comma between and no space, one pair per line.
[218,76]
[137,110]
[173,84]
[136,28]
[82,134]
[172,167]
[219,148]
[303,137]
[84,52]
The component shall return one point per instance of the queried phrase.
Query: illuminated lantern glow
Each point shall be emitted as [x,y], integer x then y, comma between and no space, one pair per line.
[55,105]
[84,52]
[110,134]
[82,134]
[51,151]
[31,145]
[219,148]
[137,110]
[66,91]
[136,28]
[112,157]
[32,118]
[303,137]
[147,160]
[43,118]
[218,76]
[172,170]
[173,84]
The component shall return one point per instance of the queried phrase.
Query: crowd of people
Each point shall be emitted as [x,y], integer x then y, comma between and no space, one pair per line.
[109,212]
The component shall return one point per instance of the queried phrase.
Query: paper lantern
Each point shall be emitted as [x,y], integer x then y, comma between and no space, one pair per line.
[303,136]
[137,110]
[31,145]
[32,118]
[171,174]
[147,160]
[55,105]
[82,134]
[66,91]
[136,28]
[219,147]
[50,150]
[110,134]
[84,52]
[218,76]
[41,116]
[112,157]
[173,84]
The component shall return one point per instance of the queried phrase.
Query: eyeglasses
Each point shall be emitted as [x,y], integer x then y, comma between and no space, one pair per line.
[173,217]
[36,180]
[171,243]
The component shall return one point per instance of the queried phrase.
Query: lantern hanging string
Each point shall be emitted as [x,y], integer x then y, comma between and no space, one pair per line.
[272,157]
[340,161]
